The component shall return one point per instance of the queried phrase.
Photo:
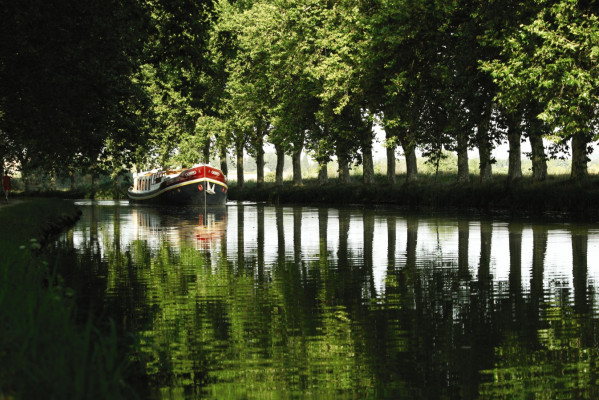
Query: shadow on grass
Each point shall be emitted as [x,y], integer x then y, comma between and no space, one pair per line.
[44,351]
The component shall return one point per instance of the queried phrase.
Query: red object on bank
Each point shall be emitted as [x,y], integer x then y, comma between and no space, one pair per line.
[6,182]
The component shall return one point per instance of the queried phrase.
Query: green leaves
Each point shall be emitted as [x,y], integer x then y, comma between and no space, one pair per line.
[162,78]
[555,59]
[67,76]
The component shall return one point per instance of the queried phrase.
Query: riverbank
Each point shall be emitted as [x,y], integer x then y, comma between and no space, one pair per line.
[44,351]
[556,195]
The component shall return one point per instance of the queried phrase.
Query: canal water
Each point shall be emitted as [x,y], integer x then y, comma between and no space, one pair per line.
[252,301]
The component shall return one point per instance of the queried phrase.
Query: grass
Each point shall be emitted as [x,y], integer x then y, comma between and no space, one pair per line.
[44,351]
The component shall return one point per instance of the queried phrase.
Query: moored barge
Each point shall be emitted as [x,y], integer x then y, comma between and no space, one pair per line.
[198,185]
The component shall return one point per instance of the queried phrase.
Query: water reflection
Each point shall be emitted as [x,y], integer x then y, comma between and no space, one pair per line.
[258,301]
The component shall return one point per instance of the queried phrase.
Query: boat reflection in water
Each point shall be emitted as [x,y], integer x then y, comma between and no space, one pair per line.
[202,228]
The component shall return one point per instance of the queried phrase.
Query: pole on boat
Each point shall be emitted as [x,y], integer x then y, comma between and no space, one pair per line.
[205,195]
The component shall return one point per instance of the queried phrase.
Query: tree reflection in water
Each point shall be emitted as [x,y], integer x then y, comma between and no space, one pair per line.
[258,301]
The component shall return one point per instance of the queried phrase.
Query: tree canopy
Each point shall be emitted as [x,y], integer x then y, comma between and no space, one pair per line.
[175,82]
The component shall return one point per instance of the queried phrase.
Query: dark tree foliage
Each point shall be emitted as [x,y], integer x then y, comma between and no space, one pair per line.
[175,81]
[66,69]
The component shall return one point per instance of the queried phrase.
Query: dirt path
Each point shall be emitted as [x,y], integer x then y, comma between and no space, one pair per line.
[10,202]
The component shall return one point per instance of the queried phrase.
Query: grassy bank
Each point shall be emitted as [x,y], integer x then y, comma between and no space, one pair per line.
[558,195]
[44,352]
[554,196]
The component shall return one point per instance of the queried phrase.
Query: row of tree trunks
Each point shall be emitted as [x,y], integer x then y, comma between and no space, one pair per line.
[408,144]
[539,159]
[579,169]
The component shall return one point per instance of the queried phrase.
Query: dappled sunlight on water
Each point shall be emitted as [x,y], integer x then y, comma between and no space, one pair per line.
[254,301]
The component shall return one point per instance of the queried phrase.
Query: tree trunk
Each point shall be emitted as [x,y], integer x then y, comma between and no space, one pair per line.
[514,136]
[367,161]
[462,151]
[223,160]
[260,161]
[71,171]
[391,165]
[484,149]
[25,178]
[2,173]
[94,184]
[280,165]
[343,170]
[411,164]
[53,180]
[579,157]
[485,168]
[409,150]
[296,161]
[538,157]
[239,155]
[116,184]
[392,133]
[536,130]
[323,175]
[206,153]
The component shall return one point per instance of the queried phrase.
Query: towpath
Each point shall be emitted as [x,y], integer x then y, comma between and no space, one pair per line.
[10,202]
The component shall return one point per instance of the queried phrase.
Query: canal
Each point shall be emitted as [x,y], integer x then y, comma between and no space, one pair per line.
[257,301]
